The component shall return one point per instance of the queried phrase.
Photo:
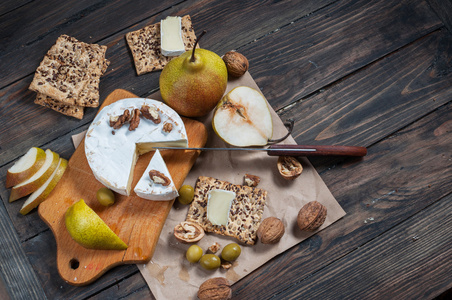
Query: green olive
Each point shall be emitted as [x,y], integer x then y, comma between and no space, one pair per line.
[210,261]
[105,196]
[186,193]
[231,252]
[193,253]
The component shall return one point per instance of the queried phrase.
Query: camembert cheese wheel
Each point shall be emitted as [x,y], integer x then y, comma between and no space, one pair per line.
[113,153]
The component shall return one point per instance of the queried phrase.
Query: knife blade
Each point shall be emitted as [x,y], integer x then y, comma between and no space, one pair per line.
[290,150]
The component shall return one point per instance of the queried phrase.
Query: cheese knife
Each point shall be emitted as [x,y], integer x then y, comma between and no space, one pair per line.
[290,150]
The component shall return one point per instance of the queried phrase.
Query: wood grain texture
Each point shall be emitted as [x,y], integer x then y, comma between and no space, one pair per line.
[136,221]
[276,57]
[415,251]
[377,197]
[374,52]
[332,43]
[443,9]
[362,108]
[17,274]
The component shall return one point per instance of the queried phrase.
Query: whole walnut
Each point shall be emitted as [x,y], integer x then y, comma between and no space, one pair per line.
[270,231]
[216,288]
[236,63]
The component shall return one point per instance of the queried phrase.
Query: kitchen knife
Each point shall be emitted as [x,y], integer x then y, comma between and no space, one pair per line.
[290,150]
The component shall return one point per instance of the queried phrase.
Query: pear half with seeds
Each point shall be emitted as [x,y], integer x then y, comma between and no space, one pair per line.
[89,230]
[242,118]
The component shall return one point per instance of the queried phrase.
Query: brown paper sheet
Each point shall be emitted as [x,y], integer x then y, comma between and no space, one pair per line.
[170,276]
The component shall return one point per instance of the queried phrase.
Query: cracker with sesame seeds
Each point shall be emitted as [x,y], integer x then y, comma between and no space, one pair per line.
[245,214]
[145,45]
[68,110]
[66,70]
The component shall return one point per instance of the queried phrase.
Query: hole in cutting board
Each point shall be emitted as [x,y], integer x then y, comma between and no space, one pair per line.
[74,263]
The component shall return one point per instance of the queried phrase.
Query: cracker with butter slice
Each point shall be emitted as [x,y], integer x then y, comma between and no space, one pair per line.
[145,45]
[245,214]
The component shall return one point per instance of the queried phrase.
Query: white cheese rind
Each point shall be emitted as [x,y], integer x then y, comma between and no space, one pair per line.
[218,206]
[112,157]
[171,42]
[150,190]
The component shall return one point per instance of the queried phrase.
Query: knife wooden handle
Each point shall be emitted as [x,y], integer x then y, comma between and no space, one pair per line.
[320,150]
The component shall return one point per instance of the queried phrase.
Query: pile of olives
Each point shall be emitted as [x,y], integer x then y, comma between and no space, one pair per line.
[211,261]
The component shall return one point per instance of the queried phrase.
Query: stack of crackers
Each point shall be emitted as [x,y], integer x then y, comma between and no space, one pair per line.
[245,215]
[145,45]
[67,80]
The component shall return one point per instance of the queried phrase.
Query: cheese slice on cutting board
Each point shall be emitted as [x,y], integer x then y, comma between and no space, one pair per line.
[112,154]
[171,43]
[148,189]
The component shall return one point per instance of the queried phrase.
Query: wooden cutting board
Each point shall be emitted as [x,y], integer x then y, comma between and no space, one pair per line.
[138,222]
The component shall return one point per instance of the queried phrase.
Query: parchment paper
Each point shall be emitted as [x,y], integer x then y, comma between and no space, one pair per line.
[170,276]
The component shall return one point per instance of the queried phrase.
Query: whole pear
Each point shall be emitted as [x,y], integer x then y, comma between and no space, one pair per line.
[193,83]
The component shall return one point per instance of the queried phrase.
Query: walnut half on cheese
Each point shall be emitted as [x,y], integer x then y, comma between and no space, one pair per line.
[112,157]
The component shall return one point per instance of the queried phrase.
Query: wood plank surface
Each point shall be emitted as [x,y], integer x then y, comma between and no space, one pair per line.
[268,56]
[368,73]
[376,197]
[408,253]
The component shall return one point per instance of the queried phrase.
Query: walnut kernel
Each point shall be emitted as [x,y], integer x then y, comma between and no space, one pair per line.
[270,231]
[289,167]
[236,63]
[188,232]
[251,180]
[159,178]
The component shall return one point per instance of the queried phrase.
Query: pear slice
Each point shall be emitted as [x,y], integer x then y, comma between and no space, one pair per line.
[38,196]
[34,182]
[89,230]
[25,167]
[242,118]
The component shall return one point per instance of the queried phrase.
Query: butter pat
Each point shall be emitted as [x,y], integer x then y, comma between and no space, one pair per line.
[171,43]
[218,206]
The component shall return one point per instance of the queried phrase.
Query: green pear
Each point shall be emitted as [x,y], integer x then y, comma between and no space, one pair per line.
[194,82]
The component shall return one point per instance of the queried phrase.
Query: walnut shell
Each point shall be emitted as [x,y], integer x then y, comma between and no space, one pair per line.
[216,288]
[236,63]
[311,216]
[188,232]
[270,231]
[289,167]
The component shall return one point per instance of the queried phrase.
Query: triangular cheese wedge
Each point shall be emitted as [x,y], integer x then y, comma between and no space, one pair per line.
[156,188]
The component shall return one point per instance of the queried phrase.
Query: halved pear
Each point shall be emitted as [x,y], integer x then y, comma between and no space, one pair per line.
[89,230]
[242,118]
[25,167]
[38,196]
[34,182]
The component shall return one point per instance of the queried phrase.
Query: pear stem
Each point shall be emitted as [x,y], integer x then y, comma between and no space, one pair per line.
[192,59]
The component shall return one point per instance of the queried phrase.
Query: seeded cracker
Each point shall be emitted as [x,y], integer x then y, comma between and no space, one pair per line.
[245,214]
[145,45]
[68,110]
[67,68]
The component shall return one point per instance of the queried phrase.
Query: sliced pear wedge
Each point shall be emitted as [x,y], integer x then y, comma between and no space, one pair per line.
[34,182]
[89,230]
[38,196]
[25,167]
[242,118]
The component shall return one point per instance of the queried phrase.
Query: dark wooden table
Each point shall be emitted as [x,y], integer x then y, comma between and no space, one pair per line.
[352,72]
